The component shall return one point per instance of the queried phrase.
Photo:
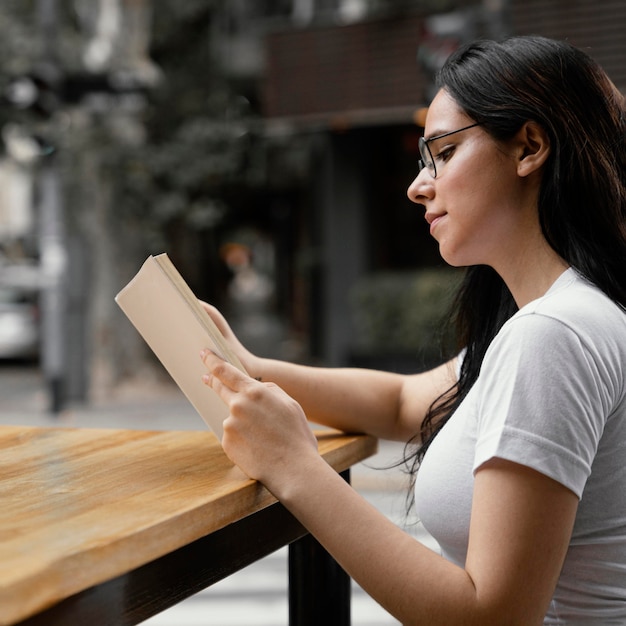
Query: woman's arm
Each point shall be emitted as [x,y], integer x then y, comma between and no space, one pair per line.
[520,526]
[520,529]
[387,405]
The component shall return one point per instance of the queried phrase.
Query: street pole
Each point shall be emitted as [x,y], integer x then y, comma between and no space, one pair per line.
[53,294]
[53,253]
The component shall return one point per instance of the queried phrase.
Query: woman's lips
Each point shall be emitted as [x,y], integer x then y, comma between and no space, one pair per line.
[433,220]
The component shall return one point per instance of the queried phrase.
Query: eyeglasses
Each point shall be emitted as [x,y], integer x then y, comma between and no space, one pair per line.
[427,156]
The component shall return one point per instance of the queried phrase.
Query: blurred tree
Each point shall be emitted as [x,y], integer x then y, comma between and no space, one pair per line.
[145,164]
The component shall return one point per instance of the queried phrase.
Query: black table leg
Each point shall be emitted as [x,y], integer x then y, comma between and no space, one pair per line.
[319,589]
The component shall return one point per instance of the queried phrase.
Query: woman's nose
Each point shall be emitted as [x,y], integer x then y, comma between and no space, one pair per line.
[421,188]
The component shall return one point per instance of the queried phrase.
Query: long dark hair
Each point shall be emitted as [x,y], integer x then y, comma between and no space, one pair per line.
[582,198]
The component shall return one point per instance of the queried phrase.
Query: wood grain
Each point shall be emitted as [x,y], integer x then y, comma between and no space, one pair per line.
[81,506]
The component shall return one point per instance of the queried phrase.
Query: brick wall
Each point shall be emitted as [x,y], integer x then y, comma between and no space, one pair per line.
[373,65]
[368,65]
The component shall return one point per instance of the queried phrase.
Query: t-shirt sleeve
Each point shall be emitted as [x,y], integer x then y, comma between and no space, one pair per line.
[541,401]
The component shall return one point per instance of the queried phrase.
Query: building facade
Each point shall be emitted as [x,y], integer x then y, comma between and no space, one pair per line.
[351,93]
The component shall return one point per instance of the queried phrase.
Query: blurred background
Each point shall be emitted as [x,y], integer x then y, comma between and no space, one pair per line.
[265,145]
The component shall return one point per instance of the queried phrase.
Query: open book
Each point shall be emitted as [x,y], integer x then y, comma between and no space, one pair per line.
[174,324]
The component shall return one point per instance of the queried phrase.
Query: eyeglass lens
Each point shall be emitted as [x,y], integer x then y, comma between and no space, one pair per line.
[427,156]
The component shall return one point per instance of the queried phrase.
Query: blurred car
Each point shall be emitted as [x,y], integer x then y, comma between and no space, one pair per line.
[19,324]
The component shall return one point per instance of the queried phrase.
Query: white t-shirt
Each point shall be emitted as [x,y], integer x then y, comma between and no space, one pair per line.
[551,395]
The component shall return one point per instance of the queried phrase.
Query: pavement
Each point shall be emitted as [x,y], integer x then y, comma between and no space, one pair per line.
[258,594]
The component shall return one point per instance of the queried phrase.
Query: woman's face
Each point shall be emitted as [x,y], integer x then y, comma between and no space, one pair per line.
[477,205]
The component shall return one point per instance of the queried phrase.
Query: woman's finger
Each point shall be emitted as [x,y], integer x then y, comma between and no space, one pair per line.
[217,317]
[228,374]
[222,390]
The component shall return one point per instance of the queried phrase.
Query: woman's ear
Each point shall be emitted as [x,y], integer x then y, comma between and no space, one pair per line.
[534,148]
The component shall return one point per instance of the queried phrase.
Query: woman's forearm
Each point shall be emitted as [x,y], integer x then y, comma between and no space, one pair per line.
[349,399]
[388,405]
[384,404]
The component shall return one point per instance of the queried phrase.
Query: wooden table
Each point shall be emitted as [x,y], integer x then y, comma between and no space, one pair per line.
[114,526]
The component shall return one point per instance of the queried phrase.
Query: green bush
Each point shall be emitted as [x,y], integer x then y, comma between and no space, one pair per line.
[403,312]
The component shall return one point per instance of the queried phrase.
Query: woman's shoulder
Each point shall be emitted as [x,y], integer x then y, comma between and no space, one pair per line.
[578,305]
[573,325]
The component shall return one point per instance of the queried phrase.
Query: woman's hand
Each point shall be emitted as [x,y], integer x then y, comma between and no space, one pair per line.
[267,432]
[249,360]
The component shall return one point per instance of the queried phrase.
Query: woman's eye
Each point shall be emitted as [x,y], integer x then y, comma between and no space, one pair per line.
[445,154]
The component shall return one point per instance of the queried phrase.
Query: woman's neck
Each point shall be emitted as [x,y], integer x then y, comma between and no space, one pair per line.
[530,276]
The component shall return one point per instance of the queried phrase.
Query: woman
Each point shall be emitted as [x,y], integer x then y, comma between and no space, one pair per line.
[522,477]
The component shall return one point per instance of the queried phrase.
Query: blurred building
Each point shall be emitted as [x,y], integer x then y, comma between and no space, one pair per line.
[337,90]
[340,85]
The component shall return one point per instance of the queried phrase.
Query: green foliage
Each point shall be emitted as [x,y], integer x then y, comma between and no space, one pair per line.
[168,153]
[403,312]
[17,24]
[199,137]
